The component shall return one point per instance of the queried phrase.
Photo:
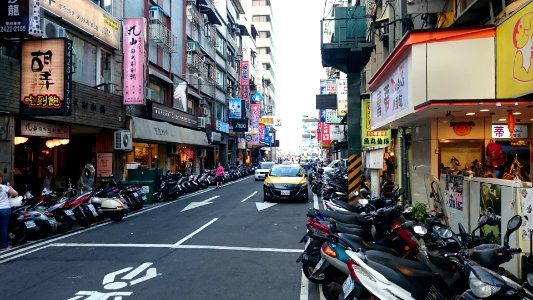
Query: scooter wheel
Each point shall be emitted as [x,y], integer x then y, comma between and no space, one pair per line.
[308,268]
[117,217]
[17,234]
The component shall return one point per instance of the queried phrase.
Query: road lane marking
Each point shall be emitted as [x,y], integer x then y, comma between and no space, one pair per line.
[249,196]
[304,288]
[198,204]
[195,232]
[173,246]
[315,201]
[263,205]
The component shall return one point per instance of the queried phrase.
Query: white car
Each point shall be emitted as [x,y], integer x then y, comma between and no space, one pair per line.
[263,169]
[336,164]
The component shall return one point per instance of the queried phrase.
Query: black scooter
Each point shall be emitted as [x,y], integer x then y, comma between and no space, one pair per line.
[167,189]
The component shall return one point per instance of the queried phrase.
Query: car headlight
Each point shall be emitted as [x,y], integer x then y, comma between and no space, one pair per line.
[268,184]
[480,288]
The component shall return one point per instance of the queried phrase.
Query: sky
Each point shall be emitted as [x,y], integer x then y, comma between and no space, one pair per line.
[298,65]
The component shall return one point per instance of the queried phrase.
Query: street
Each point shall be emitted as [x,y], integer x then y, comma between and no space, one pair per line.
[214,244]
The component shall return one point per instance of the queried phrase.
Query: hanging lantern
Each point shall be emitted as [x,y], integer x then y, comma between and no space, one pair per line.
[20,140]
[50,144]
[511,121]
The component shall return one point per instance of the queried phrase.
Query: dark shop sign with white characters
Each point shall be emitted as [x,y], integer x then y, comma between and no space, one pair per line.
[171,115]
[14,17]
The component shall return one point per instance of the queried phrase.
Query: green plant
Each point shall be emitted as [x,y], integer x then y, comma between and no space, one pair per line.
[420,211]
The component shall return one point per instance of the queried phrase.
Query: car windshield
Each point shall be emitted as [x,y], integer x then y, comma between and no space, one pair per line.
[266,165]
[285,172]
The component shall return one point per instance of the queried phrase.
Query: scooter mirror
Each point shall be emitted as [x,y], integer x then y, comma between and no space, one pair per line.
[420,230]
[513,225]
[530,279]
[464,236]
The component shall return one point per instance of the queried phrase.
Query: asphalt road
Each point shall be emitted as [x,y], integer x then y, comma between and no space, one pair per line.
[214,244]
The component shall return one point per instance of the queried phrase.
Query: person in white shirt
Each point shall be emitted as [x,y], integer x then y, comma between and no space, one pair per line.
[5,212]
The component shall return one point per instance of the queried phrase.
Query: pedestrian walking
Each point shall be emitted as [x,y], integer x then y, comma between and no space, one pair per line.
[5,212]
[220,175]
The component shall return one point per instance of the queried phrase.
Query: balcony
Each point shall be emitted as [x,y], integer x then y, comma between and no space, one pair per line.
[162,36]
[476,12]
[344,42]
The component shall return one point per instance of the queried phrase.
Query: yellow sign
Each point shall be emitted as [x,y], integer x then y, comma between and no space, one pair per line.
[514,55]
[266,121]
[372,138]
[88,17]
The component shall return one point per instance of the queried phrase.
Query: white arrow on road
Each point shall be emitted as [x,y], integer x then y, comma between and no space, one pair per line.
[198,204]
[263,205]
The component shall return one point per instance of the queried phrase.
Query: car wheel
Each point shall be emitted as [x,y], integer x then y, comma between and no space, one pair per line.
[265,198]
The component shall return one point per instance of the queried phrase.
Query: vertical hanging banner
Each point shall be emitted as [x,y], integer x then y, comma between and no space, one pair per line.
[372,137]
[255,118]
[46,77]
[245,81]
[325,135]
[267,136]
[342,97]
[133,45]
[261,132]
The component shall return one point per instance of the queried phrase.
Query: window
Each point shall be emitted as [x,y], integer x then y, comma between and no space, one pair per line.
[85,62]
[105,4]
[220,43]
[190,106]
[105,69]
[158,92]
[220,77]
[221,111]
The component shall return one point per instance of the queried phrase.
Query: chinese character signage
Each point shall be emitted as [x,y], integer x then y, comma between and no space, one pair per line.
[514,41]
[390,99]
[46,79]
[133,61]
[240,125]
[245,81]
[328,86]
[40,129]
[261,132]
[324,137]
[255,117]
[501,131]
[235,108]
[86,16]
[372,137]
[342,97]
[18,17]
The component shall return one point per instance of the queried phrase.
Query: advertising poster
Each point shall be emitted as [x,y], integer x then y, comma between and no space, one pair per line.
[372,137]
[342,97]
[490,202]
[526,201]
[454,191]
[235,108]
[104,164]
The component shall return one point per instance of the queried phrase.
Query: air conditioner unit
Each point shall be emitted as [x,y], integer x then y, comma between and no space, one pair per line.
[205,111]
[51,30]
[191,46]
[156,13]
[201,122]
[203,102]
[123,140]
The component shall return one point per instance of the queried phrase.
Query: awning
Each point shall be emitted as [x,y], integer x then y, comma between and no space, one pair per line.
[148,130]
[160,76]
[244,30]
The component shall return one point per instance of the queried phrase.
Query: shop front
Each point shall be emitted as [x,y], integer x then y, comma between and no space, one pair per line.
[166,146]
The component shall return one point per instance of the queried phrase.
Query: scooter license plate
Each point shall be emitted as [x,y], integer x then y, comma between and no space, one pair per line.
[92,209]
[135,194]
[30,224]
[347,286]
[69,212]
[52,221]
[144,198]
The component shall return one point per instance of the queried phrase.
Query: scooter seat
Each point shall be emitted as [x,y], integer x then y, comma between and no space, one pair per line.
[358,242]
[413,276]
[349,217]
[346,206]
[356,231]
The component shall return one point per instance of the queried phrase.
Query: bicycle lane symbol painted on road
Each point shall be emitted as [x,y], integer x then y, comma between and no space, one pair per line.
[130,278]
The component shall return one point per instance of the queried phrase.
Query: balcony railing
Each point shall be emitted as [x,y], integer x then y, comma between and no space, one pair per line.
[349,25]
[162,36]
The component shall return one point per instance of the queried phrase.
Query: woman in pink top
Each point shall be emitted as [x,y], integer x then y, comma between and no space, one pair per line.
[220,175]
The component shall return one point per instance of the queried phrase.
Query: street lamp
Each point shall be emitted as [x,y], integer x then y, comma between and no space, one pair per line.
[318,132]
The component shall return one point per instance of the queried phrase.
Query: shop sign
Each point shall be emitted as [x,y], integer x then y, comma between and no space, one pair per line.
[261,132]
[501,131]
[328,86]
[46,78]
[245,81]
[257,98]
[513,55]
[255,117]
[15,17]
[222,126]
[241,144]
[324,136]
[104,164]
[40,129]
[255,139]
[266,120]
[371,137]
[267,140]
[269,109]
[240,125]
[342,97]
[88,17]
[391,96]
[248,137]
[235,108]
[171,115]
[133,44]
[216,137]
[331,116]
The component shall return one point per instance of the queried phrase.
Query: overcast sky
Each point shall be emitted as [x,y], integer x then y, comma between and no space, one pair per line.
[298,65]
